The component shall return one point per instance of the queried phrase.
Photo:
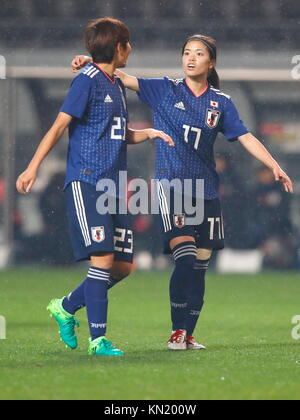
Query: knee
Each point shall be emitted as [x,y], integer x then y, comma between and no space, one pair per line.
[185,254]
[122,270]
[203,259]
[204,254]
[104,261]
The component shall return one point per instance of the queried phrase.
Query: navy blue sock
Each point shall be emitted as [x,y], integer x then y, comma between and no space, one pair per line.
[196,295]
[113,282]
[185,258]
[75,300]
[96,286]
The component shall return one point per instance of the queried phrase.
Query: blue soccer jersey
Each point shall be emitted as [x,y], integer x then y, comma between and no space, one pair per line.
[97,147]
[193,123]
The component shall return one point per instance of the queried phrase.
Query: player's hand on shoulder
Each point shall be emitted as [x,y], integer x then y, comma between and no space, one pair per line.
[284,179]
[26,181]
[79,61]
[154,134]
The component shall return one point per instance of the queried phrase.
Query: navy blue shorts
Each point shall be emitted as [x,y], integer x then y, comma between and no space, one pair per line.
[92,233]
[208,235]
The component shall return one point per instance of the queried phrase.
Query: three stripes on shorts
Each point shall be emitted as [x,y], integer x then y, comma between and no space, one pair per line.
[81,213]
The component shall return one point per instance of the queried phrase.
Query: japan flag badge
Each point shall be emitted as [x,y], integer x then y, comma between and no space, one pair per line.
[214,104]
[98,234]
[179,220]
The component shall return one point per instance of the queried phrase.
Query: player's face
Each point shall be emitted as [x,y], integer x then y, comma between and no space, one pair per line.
[123,54]
[196,59]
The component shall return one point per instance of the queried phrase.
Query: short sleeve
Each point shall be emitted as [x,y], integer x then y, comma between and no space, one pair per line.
[153,91]
[232,126]
[78,97]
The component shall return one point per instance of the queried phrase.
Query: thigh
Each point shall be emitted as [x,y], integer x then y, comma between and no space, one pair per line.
[180,240]
[90,232]
[210,234]
[172,225]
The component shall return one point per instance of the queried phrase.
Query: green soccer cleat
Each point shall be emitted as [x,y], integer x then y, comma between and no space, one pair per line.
[66,323]
[102,347]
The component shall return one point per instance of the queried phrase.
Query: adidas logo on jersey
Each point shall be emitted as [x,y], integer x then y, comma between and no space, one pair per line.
[108,100]
[180,105]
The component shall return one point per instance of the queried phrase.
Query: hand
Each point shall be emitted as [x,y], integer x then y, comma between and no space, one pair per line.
[154,134]
[79,61]
[284,179]
[26,181]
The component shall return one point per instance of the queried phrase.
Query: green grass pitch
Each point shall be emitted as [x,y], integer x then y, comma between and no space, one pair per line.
[246,325]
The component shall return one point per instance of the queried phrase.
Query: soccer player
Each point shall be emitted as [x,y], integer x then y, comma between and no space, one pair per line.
[95,111]
[193,111]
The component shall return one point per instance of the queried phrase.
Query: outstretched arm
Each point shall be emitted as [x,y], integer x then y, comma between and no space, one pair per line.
[80,61]
[258,150]
[27,179]
[140,136]
[130,82]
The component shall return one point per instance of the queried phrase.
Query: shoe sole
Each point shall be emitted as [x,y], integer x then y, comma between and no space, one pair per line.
[107,355]
[191,347]
[177,347]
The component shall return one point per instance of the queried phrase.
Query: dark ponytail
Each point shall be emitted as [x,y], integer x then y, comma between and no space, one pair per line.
[211,45]
[213,78]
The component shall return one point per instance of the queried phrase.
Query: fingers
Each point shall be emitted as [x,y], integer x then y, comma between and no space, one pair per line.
[24,185]
[21,187]
[77,63]
[28,189]
[284,179]
[287,183]
[290,187]
[166,138]
[74,65]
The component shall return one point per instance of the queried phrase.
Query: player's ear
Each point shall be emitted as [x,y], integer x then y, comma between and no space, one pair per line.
[212,64]
[119,48]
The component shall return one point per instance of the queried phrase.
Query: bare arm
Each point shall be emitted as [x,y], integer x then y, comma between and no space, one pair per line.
[130,82]
[27,179]
[258,150]
[140,136]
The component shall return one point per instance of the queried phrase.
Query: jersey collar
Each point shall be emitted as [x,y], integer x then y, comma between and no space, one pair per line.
[193,93]
[111,79]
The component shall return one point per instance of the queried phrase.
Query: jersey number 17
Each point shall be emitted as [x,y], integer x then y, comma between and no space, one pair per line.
[188,137]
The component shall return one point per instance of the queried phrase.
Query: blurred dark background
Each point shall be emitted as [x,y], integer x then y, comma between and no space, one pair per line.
[257,42]
[258,24]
